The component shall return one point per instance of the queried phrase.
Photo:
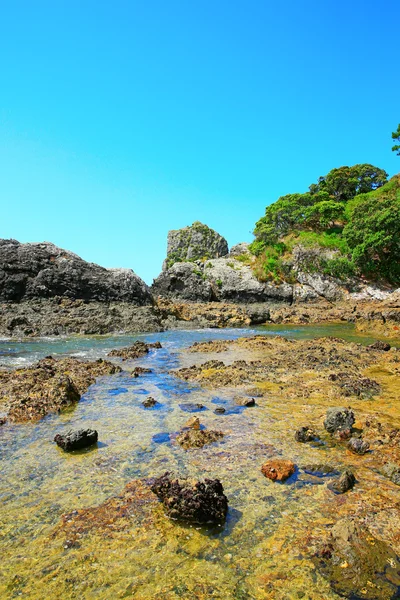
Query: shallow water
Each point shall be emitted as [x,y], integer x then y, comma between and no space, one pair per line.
[259,553]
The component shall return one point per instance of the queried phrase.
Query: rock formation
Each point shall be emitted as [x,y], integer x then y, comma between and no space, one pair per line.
[193,243]
[29,271]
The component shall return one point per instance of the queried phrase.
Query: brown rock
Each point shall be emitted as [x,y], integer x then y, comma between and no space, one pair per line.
[193,423]
[195,438]
[278,469]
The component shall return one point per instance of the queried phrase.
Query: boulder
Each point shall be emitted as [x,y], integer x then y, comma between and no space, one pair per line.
[392,471]
[240,249]
[338,419]
[192,243]
[342,485]
[149,402]
[358,446]
[305,434]
[380,345]
[199,503]
[42,270]
[76,440]
[278,469]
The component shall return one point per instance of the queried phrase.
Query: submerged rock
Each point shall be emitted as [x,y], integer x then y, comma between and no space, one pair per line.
[149,402]
[220,410]
[338,418]
[199,503]
[342,485]
[135,351]
[192,407]
[49,386]
[358,565]
[305,434]
[358,446]
[76,440]
[197,438]
[278,469]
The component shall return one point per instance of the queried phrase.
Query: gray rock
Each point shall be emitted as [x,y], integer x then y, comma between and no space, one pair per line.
[44,271]
[358,446]
[183,281]
[76,440]
[342,485]
[239,249]
[338,418]
[193,243]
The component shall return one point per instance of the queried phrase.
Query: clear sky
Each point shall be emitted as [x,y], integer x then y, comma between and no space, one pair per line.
[120,120]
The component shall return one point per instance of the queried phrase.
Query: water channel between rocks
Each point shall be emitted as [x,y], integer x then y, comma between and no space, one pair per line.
[261,551]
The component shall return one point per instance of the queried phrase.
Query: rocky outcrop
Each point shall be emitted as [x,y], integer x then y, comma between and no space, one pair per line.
[43,270]
[203,502]
[137,350]
[220,280]
[193,243]
[48,386]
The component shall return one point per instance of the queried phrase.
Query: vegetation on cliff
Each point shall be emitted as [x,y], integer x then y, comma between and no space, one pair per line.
[349,221]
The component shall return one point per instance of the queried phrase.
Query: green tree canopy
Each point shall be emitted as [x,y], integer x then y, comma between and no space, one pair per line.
[396,138]
[373,233]
[344,183]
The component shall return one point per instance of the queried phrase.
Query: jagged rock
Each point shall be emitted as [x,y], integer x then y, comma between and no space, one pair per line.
[203,502]
[338,418]
[43,271]
[76,440]
[195,438]
[149,402]
[358,446]
[379,345]
[135,351]
[195,242]
[240,249]
[193,423]
[278,469]
[342,485]
[185,281]
[305,434]
[234,281]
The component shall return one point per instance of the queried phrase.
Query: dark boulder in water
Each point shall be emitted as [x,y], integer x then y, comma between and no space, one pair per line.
[342,485]
[338,418]
[358,446]
[305,434]
[149,402]
[200,503]
[76,440]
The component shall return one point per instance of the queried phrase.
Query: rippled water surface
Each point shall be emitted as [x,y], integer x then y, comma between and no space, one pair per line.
[253,556]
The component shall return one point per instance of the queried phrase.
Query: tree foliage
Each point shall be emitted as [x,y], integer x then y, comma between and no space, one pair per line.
[373,234]
[344,183]
[396,138]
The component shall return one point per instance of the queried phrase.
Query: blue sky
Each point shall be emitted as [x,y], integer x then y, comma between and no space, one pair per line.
[121,120]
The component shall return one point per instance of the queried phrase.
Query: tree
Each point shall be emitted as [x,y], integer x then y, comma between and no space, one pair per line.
[324,215]
[344,183]
[396,138]
[373,234]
